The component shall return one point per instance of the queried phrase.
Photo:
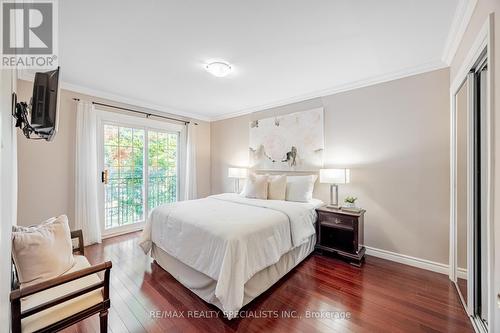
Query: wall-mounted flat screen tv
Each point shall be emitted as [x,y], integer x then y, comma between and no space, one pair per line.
[45,104]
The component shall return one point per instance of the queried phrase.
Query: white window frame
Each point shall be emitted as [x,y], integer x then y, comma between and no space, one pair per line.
[118,119]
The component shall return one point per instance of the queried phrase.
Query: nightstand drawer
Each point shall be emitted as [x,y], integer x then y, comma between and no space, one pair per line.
[336,221]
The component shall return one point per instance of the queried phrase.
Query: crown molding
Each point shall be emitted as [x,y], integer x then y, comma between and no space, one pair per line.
[428,67]
[461,18]
[29,76]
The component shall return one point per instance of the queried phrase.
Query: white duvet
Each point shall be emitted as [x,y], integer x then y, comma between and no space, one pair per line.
[229,238]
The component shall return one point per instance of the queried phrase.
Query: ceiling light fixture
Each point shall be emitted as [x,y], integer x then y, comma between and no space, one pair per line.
[218,68]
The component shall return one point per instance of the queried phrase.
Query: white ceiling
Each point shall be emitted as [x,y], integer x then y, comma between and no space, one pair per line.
[153,52]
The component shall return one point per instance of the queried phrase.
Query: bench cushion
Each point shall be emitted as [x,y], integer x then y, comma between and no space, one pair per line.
[54,314]
[43,251]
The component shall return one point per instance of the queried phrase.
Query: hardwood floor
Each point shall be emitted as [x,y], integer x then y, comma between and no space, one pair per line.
[382,296]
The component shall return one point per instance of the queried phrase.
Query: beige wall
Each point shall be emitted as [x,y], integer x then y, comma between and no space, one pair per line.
[395,138]
[46,170]
[46,184]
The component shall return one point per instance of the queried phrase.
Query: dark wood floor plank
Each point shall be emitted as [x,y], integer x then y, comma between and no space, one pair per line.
[381,296]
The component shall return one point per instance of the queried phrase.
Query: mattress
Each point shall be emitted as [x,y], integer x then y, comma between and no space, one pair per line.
[204,286]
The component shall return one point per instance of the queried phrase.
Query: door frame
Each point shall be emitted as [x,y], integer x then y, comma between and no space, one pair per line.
[482,44]
[119,119]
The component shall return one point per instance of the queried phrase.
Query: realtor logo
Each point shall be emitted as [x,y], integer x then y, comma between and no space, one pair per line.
[29,34]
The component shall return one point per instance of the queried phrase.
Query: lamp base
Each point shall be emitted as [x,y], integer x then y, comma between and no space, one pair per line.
[332,203]
[237,185]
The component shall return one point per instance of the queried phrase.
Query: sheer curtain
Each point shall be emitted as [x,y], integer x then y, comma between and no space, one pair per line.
[190,184]
[87,176]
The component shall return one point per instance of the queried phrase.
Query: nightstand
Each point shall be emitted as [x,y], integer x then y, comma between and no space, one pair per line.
[341,232]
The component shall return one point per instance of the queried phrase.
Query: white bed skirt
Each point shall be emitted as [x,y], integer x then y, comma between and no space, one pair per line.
[204,286]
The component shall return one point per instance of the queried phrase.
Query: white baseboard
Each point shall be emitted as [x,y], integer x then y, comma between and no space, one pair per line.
[462,273]
[408,260]
[122,232]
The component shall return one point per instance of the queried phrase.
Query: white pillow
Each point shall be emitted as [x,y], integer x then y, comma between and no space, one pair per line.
[42,252]
[255,187]
[276,187]
[300,188]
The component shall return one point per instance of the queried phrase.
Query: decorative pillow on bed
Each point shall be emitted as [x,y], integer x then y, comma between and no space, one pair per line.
[276,187]
[255,187]
[43,251]
[300,188]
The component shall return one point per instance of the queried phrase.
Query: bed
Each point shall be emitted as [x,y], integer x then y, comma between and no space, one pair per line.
[228,249]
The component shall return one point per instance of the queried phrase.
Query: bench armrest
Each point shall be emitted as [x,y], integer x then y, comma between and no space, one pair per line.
[18,294]
[57,281]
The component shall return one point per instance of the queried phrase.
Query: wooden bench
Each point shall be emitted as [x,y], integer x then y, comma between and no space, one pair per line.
[57,303]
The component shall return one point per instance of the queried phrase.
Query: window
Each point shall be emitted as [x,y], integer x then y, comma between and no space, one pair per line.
[140,167]
[124,163]
[162,168]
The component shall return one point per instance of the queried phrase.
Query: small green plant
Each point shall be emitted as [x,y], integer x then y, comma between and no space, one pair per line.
[350,200]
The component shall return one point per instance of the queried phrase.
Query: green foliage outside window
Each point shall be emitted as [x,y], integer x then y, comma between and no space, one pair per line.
[124,158]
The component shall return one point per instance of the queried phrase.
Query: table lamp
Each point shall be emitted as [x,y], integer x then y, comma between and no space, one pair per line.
[334,177]
[237,174]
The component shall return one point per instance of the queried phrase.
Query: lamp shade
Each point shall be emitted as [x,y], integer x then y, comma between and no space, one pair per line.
[237,173]
[334,176]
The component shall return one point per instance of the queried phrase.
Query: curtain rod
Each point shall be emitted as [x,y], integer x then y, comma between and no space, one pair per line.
[147,114]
